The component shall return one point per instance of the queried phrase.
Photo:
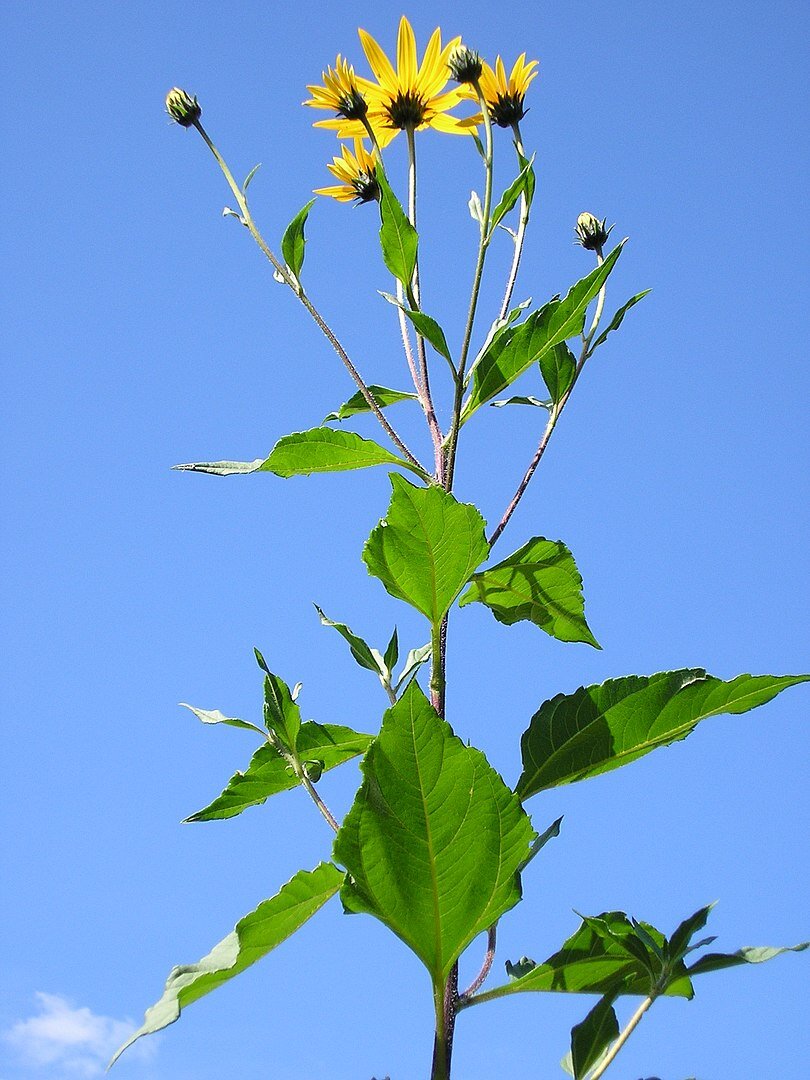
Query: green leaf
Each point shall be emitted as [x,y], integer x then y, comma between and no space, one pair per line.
[748,955]
[254,936]
[558,367]
[221,468]
[282,716]
[250,176]
[616,321]
[590,1038]
[599,728]
[539,583]
[530,179]
[680,941]
[431,331]
[325,450]
[362,653]
[358,404]
[293,242]
[511,195]
[426,547]
[540,842]
[413,661]
[214,716]
[520,400]
[391,654]
[514,349]
[268,772]
[398,238]
[434,839]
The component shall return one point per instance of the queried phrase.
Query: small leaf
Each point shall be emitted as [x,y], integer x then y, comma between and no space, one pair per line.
[434,839]
[558,367]
[599,728]
[530,178]
[514,350]
[282,715]
[359,649]
[523,966]
[616,321]
[293,242]
[540,842]
[748,955]
[222,468]
[426,547]
[476,209]
[497,329]
[358,404]
[680,940]
[254,936]
[511,195]
[431,331]
[591,1038]
[268,772]
[326,450]
[250,176]
[536,402]
[398,238]
[413,661]
[539,583]
[391,654]
[214,716]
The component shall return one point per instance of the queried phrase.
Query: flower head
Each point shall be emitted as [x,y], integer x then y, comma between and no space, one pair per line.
[341,93]
[182,108]
[465,64]
[505,95]
[357,173]
[591,232]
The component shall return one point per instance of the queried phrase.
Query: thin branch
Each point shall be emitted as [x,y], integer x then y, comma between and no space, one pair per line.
[622,1039]
[486,967]
[288,279]
[521,232]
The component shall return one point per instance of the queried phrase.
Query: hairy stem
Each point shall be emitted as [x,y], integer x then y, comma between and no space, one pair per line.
[521,232]
[623,1037]
[483,243]
[320,322]
[300,771]
[486,967]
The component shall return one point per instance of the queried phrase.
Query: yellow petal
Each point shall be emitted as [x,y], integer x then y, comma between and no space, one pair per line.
[378,61]
[406,55]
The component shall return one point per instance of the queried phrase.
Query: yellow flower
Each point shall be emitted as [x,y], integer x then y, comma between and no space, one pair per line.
[409,97]
[504,96]
[342,92]
[357,173]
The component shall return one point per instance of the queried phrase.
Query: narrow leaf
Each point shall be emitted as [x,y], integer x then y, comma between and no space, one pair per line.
[413,661]
[514,350]
[325,450]
[476,209]
[530,178]
[358,404]
[617,319]
[511,195]
[268,773]
[558,367]
[680,941]
[539,583]
[214,716]
[281,713]
[599,728]
[293,242]
[359,649]
[398,238]
[221,468]
[254,936]
[250,176]
[748,955]
[391,654]
[431,331]
[519,400]
[591,1037]
[426,547]
[434,839]
[540,842]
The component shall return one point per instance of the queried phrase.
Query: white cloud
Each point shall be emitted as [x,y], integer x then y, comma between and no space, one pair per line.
[75,1039]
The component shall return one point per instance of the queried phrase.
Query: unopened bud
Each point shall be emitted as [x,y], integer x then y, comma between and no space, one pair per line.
[465,64]
[591,232]
[182,108]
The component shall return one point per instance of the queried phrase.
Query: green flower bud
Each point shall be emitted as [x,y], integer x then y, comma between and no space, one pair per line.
[465,64]
[182,108]
[591,232]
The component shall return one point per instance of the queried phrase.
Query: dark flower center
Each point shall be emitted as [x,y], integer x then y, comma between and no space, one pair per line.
[366,187]
[352,105]
[406,110]
[508,109]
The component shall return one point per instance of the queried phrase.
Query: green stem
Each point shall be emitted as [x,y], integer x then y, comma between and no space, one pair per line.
[483,243]
[288,279]
[301,774]
[623,1037]
[521,232]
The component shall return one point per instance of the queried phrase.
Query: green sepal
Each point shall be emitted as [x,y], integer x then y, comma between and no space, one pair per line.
[398,238]
[257,934]
[539,583]
[293,242]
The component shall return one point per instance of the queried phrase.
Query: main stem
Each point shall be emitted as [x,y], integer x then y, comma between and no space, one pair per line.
[622,1039]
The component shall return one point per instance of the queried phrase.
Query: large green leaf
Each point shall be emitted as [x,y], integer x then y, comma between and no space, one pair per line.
[539,583]
[254,936]
[326,450]
[514,350]
[426,547]
[358,404]
[434,840]
[398,238]
[293,242]
[598,728]
[326,745]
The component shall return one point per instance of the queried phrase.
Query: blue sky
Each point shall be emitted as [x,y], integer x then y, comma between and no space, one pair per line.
[142,329]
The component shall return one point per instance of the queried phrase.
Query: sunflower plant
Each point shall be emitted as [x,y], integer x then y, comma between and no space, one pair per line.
[436,841]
